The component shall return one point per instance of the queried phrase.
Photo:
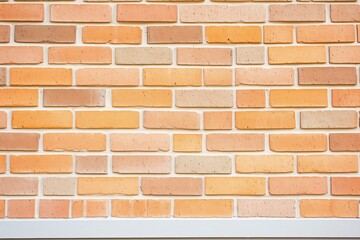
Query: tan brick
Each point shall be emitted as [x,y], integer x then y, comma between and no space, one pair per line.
[19,186]
[297,13]
[278,34]
[139,142]
[252,186]
[327,164]
[344,142]
[298,98]
[298,185]
[329,208]
[80,55]
[44,34]
[107,77]
[297,54]
[107,119]
[3,120]
[265,76]
[204,56]
[96,208]
[74,97]
[345,13]
[346,98]
[175,186]
[141,164]
[21,54]
[2,208]
[233,34]
[344,54]
[152,208]
[250,55]
[79,13]
[327,76]
[172,77]
[174,34]
[3,164]
[57,208]
[201,208]
[4,33]
[41,164]
[21,12]
[325,34]
[298,142]
[145,13]
[265,120]
[11,141]
[250,98]
[218,77]
[41,119]
[275,208]
[21,208]
[108,185]
[40,76]
[264,163]
[3,76]
[343,186]
[59,186]
[235,142]
[143,56]
[141,98]
[171,120]
[203,164]
[187,142]
[91,164]
[328,119]
[204,98]
[111,34]
[77,208]
[217,120]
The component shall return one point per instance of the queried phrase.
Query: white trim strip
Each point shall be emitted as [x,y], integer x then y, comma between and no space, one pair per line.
[171,228]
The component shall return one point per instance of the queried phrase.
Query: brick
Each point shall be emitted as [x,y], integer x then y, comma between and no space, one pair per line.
[344,142]
[222,13]
[139,142]
[265,76]
[233,34]
[151,208]
[203,164]
[44,34]
[21,208]
[250,98]
[343,186]
[3,120]
[297,13]
[91,164]
[235,142]
[2,209]
[328,119]
[249,186]
[77,208]
[141,98]
[145,13]
[74,142]
[327,164]
[187,142]
[204,98]
[201,208]
[21,12]
[218,77]
[204,56]
[56,208]
[107,119]
[2,76]
[247,120]
[264,163]
[21,54]
[19,186]
[111,34]
[18,97]
[74,97]
[174,34]
[217,120]
[107,77]
[10,141]
[297,54]
[41,119]
[2,163]
[278,34]
[298,142]
[174,186]
[143,55]
[274,208]
[298,98]
[4,33]
[40,76]
[79,13]
[327,76]
[346,98]
[345,13]
[41,164]
[325,34]
[344,54]
[108,185]
[171,120]
[329,208]
[96,208]
[80,55]
[172,77]
[298,185]
[141,164]
[250,55]
[59,186]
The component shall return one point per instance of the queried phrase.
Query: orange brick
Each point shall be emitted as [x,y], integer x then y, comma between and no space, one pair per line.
[204,98]
[251,186]
[233,34]
[172,77]
[264,163]
[344,142]
[107,77]
[54,208]
[297,54]
[196,208]
[298,142]
[143,56]
[107,119]
[297,13]
[187,142]
[278,34]
[4,33]
[327,76]
[203,164]
[2,208]
[91,164]
[298,185]
[343,186]
[218,77]
[141,164]
[80,55]
[59,186]
[174,34]
[3,76]
[265,76]
[235,142]
[79,13]
[250,55]
[141,98]
[204,56]
[145,13]
[21,208]
[250,98]
[344,54]
[96,208]
[3,119]
[346,98]
[2,163]
[40,76]
[139,142]
[74,142]
[329,208]
[298,98]
[44,34]
[171,120]
[175,186]
[152,208]
[11,141]
[265,120]
[77,208]
[327,164]
[325,34]
[329,119]
[21,55]
[41,164]
[111,34]
[18,97]
[108,185]
[74,97]
[21,12]
[345,13]
[276,208]
[19,186]
[42,119]
[217,120]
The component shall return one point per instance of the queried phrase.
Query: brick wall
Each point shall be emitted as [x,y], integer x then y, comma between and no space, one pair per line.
[197,108]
